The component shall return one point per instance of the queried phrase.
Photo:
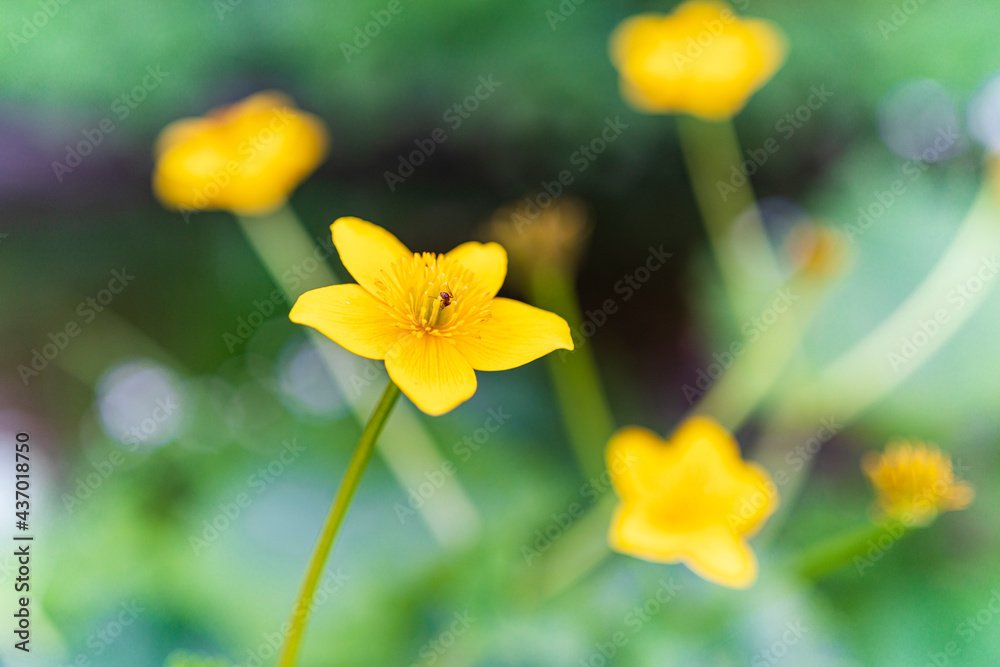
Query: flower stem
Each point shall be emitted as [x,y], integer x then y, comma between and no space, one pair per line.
[735,230]
[282,243]
[582,402]
[359,461]
[576,554]
[866,372]
[833,553]
[863,374]
[749,381]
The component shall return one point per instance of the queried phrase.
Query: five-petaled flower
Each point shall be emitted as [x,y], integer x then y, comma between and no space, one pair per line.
[246,158]
[702,59]
[915,482]
[432,318]
[691,500]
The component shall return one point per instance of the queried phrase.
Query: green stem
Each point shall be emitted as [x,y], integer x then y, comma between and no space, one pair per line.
[88,360]
[742,251]
[873,367]
[577,553]
[864,374]
[730,401]
[772,448]
[281,242]
[359,461]
[837,551]
[582,402]
[761,363]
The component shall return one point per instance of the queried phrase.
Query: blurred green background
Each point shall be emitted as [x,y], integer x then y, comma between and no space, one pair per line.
[117,577]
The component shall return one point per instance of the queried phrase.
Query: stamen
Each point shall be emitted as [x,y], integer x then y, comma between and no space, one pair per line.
[428,293]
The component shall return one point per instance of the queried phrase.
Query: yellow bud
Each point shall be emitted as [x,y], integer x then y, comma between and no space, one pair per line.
[535,236]
[815,249]
[914,482]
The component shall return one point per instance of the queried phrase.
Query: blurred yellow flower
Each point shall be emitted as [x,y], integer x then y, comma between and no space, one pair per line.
[246,158]
[816,249]
[433,318]
[551,236]
[702,59]
[915,482]
[691,500]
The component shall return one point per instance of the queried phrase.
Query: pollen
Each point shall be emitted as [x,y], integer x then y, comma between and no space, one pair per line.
[431,294]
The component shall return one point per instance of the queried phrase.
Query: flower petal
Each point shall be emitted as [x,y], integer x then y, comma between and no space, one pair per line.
[515,334]
[634,534]
[755,498]
[703,444]
[631,457]
[349,316]
[707,435]
[180,132]
[719,555]
[366,249]
[487,260]
[431,372]
[715,553]
[772,47]
[961,496]
[204,163]
[660,74]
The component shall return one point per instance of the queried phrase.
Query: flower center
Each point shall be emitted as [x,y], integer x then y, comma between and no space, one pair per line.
[687,505]
[432,294]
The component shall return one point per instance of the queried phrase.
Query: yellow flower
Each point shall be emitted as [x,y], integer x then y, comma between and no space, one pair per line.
[815,249]
[915,482]
[536,237]
[246,158]
[691,500]
[433,318]
[702,59]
